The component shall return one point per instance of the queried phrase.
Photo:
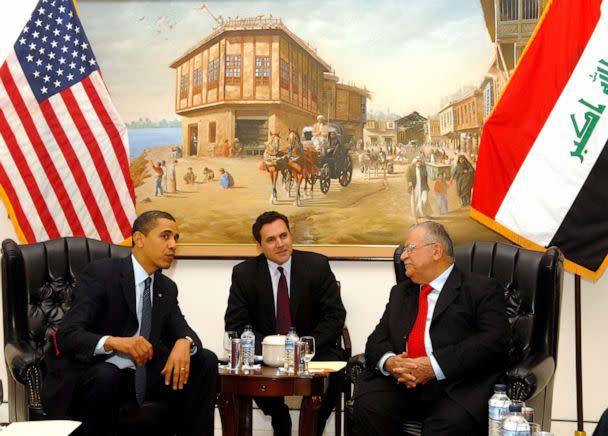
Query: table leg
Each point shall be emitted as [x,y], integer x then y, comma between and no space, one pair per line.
[227,406]
[308,415]
[245,416]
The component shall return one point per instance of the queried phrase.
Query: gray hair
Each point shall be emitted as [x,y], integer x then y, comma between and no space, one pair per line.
[437,233]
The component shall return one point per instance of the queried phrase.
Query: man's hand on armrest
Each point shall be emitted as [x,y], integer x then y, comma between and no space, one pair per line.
[137,347]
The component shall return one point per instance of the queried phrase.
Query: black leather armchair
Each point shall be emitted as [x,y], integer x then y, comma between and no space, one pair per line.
[533,289]
[37,284]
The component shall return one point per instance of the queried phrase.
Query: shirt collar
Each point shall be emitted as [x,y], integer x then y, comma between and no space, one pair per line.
[274,266]
[440,280]
[140,273]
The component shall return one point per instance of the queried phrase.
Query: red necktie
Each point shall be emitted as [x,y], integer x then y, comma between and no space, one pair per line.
[415,340]
[283,310]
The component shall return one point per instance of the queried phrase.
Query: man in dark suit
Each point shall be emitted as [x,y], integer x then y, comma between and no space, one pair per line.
[283,287]
[125,340]
[438,348]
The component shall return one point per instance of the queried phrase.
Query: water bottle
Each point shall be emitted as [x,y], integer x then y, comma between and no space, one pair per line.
[498,408]
[248,347]
[290,343]
[515,424]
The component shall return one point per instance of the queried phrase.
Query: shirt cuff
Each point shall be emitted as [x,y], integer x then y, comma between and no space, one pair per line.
[383,360]
[193,350]
[436,368]
[99,348]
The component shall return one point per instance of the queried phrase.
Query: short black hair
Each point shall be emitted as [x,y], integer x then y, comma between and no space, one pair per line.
[147,220]
[267,218]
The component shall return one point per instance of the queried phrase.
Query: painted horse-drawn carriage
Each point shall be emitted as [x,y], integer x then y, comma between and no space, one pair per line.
[307,161]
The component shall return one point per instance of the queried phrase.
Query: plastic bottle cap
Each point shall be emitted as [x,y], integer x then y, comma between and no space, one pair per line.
[515,408]
[500,388]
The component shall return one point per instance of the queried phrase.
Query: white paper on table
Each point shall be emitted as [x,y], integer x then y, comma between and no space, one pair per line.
[46,428]
[326,366]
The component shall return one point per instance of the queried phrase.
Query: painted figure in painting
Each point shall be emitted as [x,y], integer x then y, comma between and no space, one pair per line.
[418,186]
[320,132]
[274,162]
[441,192]
[226,179]
[208,175]
[171,178]
[189,177]
[158,178]
[302,163]
[464,174]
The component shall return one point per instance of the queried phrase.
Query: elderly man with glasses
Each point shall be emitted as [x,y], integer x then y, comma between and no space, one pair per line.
[438,348]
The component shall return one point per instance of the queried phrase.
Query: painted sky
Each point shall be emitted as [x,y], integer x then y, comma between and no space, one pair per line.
[410,54]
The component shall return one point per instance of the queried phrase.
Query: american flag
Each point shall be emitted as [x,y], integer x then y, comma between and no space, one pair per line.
[64,166]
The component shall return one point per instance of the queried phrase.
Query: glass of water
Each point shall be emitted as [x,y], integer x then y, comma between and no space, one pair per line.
[228,337]
[309,351]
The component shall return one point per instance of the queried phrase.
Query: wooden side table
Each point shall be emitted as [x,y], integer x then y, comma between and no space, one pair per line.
[236,388]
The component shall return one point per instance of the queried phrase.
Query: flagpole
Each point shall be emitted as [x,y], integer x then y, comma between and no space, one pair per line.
[579,364]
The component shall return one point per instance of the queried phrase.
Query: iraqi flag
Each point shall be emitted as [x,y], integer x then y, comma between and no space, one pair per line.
[542,174]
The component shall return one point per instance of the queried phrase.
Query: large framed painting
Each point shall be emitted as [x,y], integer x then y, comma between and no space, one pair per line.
[354,119]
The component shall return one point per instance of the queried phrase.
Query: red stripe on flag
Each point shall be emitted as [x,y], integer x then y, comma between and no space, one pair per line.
[28,178]
[510,132]
[112,131]
[76,169]
[22,220]
[48,166]
[100,163]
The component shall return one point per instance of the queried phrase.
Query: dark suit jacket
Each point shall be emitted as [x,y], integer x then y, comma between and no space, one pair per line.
[104,304]
[468,333]
[316,306]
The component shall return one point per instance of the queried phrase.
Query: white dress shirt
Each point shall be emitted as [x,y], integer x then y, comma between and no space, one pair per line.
[431,299]
[275,275]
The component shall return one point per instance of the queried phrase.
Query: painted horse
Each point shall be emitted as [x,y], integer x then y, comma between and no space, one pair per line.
[302,163]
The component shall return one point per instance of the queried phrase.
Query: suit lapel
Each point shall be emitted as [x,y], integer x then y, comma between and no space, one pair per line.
[409,311]
[294,280]
[127,282]
[263,283]
[448,293]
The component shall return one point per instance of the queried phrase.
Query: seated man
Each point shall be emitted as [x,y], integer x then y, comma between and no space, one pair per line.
[261,291]
[438,348]
[320,133]
[112,347]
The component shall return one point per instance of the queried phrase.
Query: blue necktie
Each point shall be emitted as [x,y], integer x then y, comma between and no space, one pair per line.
[144,330]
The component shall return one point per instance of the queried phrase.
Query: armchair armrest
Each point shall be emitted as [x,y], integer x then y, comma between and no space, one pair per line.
[530,376]
[20,358]
[354,367]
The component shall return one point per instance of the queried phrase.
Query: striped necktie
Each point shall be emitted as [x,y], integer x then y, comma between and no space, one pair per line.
[144,330]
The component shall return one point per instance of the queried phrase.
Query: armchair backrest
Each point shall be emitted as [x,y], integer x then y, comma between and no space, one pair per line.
[37,284]
[533,289]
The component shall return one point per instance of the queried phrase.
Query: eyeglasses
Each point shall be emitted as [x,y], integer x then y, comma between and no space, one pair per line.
[411,247]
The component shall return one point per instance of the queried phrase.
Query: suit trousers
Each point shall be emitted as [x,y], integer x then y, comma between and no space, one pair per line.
[381,406]
[276,408]
[105,393]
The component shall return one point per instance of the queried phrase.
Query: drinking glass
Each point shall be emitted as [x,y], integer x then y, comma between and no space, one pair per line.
[228,337]
[309,351]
